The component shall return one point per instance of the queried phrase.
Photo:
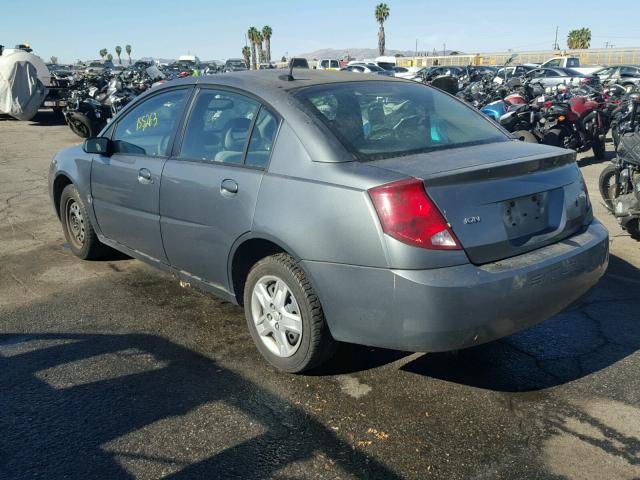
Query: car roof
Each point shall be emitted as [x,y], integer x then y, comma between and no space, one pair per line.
[272,81]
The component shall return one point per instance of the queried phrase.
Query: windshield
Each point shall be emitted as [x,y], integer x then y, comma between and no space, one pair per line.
[374,68]
[376,120]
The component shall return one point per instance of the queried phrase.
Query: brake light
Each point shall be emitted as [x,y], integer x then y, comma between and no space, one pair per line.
[408,214]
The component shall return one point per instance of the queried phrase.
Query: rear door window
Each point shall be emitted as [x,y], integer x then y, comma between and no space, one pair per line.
[335,64]
[573,62]
[218,127]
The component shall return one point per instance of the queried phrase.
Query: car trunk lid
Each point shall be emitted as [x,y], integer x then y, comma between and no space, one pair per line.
[501,199]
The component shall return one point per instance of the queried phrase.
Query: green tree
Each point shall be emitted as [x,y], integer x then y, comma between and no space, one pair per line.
[246,53]
[266,34]
[381,14]
[259,47]
[283,59]
[127,49]
[103,53]
[118,52]
[110,57]
[54,60]
[579,38]
[253,35]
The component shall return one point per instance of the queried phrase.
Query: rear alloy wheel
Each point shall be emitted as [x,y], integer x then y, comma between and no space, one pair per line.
[77,227]
[284,315]
[525,136]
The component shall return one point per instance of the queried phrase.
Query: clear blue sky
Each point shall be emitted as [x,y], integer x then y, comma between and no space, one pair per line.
[213,29]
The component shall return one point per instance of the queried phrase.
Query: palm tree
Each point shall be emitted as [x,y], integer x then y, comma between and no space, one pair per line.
[127,49]
[266,34]
[259,47]
[103,53]
[580,38]
[118,52]
[253,35]
[54,60]
[381,13]
[246,53]
[110,57]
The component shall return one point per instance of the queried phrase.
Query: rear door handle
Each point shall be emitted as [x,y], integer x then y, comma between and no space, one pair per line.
[144,176]
[229,187]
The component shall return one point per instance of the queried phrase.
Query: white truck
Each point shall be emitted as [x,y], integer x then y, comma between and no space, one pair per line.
[569,62]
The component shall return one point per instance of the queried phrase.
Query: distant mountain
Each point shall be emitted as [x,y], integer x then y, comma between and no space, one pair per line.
[359,53]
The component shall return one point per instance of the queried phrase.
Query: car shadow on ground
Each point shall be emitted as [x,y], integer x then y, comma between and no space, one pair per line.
[111,406]
[596,332]
[46,118]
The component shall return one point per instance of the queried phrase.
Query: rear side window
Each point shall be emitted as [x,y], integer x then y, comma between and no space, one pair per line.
[573,62]
[147,128]
[386,119]
[334,64]
[218,127]
[262,138]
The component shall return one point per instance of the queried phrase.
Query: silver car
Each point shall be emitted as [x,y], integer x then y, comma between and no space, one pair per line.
[336,207]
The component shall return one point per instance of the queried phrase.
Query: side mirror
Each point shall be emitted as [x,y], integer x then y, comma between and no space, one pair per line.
[98,145]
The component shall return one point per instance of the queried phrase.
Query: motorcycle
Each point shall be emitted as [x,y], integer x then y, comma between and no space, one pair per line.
[619,184]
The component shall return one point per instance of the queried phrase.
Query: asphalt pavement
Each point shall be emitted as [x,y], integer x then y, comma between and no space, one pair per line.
[111,370]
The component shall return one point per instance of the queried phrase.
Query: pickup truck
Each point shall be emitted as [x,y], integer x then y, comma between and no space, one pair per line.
[569,62]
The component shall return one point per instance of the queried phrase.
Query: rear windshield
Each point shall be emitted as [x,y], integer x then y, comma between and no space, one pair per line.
[379,119]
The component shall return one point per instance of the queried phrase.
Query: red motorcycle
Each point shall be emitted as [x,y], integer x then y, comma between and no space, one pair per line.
[578,123]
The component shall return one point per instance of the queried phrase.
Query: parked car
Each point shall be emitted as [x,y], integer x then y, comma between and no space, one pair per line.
[512,71]
[336,207]
[299,62]
[552,77]
[235,65]
[328,64]
[626,75]
[367,68]
[429,73]
[569,62]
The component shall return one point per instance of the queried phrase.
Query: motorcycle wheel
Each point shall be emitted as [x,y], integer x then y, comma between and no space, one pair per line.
[555,137]
[80,125]
[525,136]
[598,147]
[609,189]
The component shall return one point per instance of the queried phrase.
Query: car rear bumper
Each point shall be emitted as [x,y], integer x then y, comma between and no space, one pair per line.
[457,307]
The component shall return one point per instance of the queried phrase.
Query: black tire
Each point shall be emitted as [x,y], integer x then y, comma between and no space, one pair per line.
[608,190]
[525,136]
[555,137]
[634,229]
[599,149]
[316,343]
[84,245]
[80,125]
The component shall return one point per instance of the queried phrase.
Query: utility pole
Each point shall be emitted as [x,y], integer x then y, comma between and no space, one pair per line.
[444,49]
[555,42]
[416,47]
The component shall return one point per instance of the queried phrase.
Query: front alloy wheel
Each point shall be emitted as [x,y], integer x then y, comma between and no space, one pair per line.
[75,223]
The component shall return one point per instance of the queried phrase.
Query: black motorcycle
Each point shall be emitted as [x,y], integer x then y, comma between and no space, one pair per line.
[619,184]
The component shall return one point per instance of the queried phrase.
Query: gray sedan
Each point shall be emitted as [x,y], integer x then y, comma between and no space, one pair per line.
[552,77]
[336,207]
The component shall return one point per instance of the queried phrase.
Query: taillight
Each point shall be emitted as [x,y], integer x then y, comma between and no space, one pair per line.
[408,214]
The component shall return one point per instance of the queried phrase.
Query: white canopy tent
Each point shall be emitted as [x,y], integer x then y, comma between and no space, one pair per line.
[23,81]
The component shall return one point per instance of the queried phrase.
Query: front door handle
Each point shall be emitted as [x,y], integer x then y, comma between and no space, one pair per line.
[144,176]
[229,187]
